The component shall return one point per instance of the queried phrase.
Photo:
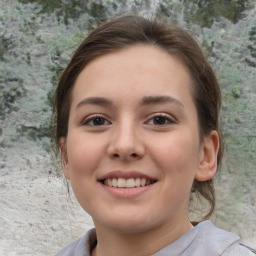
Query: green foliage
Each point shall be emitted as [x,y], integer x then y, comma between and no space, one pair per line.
[59,48]
[11,88]
[203,12]
[35,133]
[2,48]
[71,9]
[207,11]
[252,37]
[251,60]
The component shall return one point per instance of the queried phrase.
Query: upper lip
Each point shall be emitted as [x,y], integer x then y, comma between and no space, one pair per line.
[125,175]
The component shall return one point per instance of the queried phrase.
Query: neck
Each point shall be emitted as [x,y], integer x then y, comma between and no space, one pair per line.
[115,243]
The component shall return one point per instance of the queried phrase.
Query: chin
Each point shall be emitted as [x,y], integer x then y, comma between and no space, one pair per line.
[128,224]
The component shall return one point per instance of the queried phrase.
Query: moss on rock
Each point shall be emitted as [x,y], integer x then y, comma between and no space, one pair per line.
[209,10]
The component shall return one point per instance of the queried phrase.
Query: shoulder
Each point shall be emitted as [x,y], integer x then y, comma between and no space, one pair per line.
[80,247]
[206,239]
[227,243]
[239,250]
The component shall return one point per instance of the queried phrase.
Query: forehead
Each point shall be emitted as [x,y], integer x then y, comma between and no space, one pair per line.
[137,69]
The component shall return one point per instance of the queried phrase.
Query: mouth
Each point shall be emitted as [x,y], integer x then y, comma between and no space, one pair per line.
[127,183]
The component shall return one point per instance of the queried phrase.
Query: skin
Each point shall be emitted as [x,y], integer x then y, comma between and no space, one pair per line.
[159,138]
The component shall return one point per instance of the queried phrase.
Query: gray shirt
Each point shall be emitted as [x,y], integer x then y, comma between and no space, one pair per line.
[203,240]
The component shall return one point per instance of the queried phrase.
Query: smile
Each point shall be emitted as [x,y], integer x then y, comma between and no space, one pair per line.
[127,183]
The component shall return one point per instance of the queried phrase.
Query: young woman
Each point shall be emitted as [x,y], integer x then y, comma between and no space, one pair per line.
[137,122]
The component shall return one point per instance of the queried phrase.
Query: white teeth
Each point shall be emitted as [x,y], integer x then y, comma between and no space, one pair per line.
[137,182]
[130,183]
[121,183]
[126,183]
[114,182]
[109,183]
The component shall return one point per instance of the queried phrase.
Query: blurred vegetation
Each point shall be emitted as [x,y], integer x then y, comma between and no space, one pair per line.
[205,12]
[37,38]
[76,17]
[251,60]
[70,9]
[209,10]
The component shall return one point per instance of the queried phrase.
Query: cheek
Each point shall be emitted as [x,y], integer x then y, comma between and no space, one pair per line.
[177,154]
[84,154]
[84,157]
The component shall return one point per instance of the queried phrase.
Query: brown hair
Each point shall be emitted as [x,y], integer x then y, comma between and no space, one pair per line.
[130,30]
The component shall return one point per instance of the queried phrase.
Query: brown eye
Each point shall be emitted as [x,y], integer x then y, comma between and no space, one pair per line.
[96,121]
[160,120]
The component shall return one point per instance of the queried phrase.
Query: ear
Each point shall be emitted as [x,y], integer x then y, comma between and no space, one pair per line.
[64,158]
[207,165]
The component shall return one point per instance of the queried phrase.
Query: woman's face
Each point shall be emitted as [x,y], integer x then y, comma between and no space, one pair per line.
[133,147]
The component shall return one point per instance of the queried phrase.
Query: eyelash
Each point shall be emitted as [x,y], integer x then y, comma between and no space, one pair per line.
[163,116]
[92,118]
[166,117]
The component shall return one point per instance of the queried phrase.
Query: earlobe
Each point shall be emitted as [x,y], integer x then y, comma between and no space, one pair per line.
[207,165]
[64,158]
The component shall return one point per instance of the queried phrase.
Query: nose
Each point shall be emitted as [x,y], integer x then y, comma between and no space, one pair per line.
[126,143]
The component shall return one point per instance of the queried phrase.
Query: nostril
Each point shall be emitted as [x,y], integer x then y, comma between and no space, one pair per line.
[125,156]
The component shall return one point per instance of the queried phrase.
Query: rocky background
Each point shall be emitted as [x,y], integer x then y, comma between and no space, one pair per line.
[36,41]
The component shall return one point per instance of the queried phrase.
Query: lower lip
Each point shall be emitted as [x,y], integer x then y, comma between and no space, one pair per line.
[127,192]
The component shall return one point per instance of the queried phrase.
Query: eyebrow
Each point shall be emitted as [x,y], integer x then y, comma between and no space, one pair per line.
[95,101]
[147,100]
[150,100]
